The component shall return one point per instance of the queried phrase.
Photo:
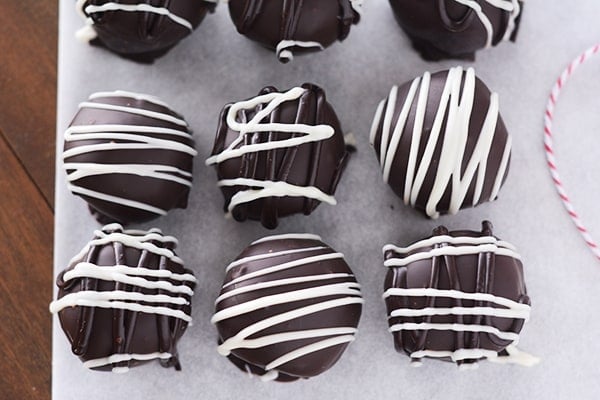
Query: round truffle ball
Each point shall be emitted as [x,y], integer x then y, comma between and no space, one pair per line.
[125,300]
[457,296]
[278,154]
[441,142]
[288,308]
[440,29]
[141,30]
[295,26]
[129,156]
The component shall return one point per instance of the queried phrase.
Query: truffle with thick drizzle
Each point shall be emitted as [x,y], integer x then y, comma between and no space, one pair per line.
[278,154]
[288,308]
[125,300]
[129,156]
[295,26]
[459,296]
[440,29]
[142,30]
[441,142]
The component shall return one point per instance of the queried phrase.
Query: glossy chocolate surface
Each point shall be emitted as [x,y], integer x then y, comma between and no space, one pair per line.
[129,156]
[434,167]
[317,164]
[266,295]
[312,24]
[440,29]
[98,329]
[462,269]
[143,30]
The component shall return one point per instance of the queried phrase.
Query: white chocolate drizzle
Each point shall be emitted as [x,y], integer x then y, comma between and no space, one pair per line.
[132,137]
[285,236]
[284,266]
[409,326]
[270,255]
[262,189]
[134,110]
[140,240]
[450,251]
[87,33]
[455,108]
[122,300]
[518,308]
[485,305]
[511,6]
[454,240]
[157,291]
[259,189]
[115,274]
[284,52]
[342,286]
[118,358]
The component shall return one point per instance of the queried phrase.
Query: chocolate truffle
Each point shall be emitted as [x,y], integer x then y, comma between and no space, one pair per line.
[140,30]
[288,308]
[289,26]
[129,156]
[440,29]
[278,154]
[441,142]
[457,296]
[125,300]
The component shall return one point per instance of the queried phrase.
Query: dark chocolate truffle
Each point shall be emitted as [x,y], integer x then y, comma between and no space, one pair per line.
[141,30]
[288,308]
[278,154]
[457,296]
[289,26]
[129,156]
[442,29]
[125,300]
[441,142]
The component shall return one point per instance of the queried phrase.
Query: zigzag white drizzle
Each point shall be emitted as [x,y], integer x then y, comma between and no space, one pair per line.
[263,188]
[136,137]
[348,293]
[511,6]
[506,308]
[455,109]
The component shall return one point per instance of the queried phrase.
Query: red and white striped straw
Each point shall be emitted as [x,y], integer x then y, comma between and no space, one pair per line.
[549,148]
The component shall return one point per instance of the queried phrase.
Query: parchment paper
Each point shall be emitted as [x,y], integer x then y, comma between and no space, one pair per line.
[216,65]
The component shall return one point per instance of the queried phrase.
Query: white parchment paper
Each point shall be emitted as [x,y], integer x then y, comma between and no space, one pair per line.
[216,65]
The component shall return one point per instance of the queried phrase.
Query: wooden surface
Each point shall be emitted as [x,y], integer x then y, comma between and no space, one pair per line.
[28,44]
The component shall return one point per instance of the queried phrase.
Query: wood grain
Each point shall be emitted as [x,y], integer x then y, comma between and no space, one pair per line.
[28,37]
[26,255]
[28,44]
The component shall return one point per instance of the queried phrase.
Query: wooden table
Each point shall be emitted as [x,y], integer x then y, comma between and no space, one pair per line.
[28,48]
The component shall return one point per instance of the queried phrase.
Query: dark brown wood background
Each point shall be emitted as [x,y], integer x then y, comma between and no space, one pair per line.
[28,53]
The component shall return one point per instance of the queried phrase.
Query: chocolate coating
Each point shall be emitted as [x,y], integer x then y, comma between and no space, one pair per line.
[143,30]
[129,156]
[278,178]
[442,143]
[466,280]
[288,308]
[294,26]
[108,300]
[440,29]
